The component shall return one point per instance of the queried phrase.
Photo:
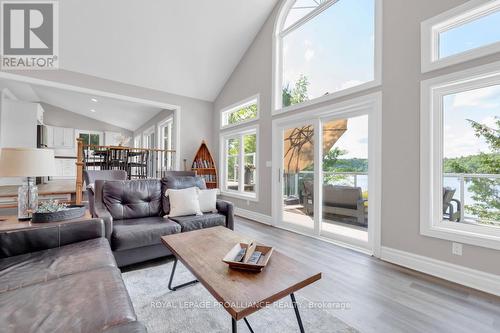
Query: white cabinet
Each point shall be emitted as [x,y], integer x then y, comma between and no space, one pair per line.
[111,138]
[65,168]
[60,137]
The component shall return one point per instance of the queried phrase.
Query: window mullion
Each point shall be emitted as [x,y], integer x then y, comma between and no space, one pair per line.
[241,158]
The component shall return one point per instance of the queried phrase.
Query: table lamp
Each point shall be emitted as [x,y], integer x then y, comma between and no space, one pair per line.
[27,163]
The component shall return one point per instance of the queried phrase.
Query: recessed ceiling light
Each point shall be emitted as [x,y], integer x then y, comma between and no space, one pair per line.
[92,110]
[94,100]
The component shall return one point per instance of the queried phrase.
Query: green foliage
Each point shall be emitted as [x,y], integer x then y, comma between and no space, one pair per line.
[484,191]
[246,113]
[249,146]
[51,206]
[298,94]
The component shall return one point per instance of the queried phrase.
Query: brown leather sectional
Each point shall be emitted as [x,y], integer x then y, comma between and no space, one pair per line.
[62,278]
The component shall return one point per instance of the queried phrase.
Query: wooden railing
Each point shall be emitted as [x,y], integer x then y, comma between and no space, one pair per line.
[139,163]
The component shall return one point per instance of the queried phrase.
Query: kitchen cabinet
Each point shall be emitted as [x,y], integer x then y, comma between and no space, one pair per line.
[65,168]
[60,137]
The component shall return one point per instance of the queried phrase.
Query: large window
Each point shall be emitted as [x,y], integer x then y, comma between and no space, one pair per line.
[242,112]
[460,34]
[239,169]
[90,137]
[461,157]
[325,49]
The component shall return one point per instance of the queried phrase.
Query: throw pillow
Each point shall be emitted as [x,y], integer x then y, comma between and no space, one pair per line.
[184,202]
[208,200]
[177,183]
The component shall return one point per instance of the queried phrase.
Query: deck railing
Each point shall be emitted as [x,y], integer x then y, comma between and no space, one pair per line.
[139,163]
[458,181]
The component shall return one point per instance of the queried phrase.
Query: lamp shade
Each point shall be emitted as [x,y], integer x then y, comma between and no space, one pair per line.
[27,162]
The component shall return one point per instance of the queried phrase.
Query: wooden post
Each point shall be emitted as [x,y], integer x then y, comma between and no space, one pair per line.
[79,171]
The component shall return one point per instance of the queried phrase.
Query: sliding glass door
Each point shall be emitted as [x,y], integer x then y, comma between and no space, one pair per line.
[345,166]
[297,159]
[324,171]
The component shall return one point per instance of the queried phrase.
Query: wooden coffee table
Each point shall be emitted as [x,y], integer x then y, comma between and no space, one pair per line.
[242,293]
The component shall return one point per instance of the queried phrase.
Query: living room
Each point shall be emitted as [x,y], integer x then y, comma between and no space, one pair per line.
[201,166]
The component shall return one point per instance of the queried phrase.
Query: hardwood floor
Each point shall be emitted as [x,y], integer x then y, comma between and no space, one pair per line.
[382,297]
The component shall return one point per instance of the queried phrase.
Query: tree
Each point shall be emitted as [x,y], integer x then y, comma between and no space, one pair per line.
[298,94]
[485,191]
[243,114]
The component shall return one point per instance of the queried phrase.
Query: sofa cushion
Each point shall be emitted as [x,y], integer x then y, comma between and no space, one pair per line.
[27,269]
[91,301]
[129,234]
[194,222]
[133,198]
[178,183]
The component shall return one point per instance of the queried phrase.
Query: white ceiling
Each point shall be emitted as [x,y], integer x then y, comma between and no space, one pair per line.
[185,47]
[120,113]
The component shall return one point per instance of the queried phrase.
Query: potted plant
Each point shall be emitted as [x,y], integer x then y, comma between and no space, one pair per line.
[52,210]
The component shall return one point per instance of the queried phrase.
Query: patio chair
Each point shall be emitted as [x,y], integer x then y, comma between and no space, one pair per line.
[346,201]
[337,199]
[449,212]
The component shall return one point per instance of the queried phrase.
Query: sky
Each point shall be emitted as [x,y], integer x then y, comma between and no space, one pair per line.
[480,32]
[355,139]
[335,50]
[481,105]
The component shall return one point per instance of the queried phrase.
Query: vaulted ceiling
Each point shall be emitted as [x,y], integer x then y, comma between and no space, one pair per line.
[124,114]
[185,47]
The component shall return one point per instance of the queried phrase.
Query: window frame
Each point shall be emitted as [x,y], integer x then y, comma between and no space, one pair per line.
[89,132]
[453,18]
[166,123]
[279,33]
[431,156]
[255,99]
[145,134]
[239,134]
[138,141]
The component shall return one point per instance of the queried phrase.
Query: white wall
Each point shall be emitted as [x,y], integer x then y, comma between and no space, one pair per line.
[55,116]
[401,79]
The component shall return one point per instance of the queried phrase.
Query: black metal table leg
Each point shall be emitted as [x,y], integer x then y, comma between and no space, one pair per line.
[297,314]
[172,278]
[248,325]
[234,325]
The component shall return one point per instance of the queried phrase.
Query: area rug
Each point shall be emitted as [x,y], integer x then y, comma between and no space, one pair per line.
[193,309]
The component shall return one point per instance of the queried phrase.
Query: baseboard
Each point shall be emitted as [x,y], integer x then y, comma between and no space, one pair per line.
[254,216]
[468,277]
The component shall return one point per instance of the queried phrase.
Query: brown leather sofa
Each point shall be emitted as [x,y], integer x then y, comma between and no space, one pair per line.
[62,278]
[134,210]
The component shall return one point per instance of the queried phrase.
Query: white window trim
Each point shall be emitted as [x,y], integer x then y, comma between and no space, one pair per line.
[433,27]
[138,141]
[167,122]
[255,99]
[277,107]
[431,145]
[240,132]
[147,132]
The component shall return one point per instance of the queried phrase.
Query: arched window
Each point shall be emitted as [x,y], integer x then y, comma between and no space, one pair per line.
[325,49]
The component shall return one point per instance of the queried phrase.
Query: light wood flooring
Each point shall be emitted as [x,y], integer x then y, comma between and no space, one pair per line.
[382,297]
